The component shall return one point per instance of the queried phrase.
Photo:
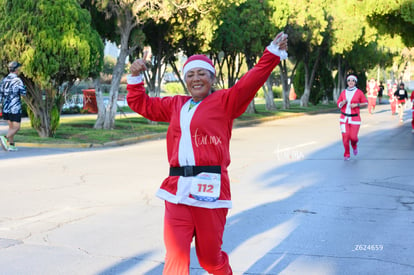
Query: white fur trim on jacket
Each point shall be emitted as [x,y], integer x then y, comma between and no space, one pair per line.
[274,49]
[134,79]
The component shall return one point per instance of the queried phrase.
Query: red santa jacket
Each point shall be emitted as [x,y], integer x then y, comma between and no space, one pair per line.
[412,100]
[372,89]
[348,114]
[203,135]
[391,92]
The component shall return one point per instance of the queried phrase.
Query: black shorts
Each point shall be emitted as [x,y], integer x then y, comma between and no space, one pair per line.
[12,117]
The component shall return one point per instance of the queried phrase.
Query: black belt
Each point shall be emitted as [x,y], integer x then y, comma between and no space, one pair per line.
[189,171]
[349,114]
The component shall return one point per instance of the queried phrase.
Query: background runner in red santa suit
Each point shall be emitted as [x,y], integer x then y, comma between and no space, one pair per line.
[350,100]
[393,99]
[197,191]
[412,110]
[372,93]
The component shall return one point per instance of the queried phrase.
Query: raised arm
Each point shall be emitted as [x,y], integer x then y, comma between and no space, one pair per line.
[243,92]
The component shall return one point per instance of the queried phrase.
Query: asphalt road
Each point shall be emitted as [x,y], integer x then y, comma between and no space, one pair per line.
[299,208]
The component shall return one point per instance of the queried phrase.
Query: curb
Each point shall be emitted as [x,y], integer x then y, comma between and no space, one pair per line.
[121,142]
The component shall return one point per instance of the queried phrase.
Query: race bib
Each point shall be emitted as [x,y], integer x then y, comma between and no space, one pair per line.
[206,186]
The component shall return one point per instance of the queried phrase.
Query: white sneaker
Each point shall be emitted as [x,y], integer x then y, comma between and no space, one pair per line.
[12,148]
[3,142]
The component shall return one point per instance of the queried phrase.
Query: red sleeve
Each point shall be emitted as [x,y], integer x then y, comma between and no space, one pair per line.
[152,108]
[340,98]
[242,93]
[362,97]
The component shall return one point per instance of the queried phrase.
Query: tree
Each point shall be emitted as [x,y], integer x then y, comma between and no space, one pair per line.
[242,33]
[348,26]
[228,42]
[156,36]
[106,27]
[312,23]
[187,34]
[258,33]
[129,17]
[125,18]
[56,45]
[395,21]
[279,18]
[391,17]
[182,32]
[369,39]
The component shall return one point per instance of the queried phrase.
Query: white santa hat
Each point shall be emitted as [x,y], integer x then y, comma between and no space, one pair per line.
[353,77]
[198,61]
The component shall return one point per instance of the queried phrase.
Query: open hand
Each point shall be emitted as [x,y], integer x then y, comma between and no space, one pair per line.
[281,40]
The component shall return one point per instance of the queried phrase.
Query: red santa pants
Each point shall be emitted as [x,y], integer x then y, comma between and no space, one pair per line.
[372,102]
[412,120]
[393,104]
[349,134]
[181,224]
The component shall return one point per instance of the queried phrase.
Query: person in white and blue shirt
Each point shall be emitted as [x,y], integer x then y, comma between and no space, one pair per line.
[11,89]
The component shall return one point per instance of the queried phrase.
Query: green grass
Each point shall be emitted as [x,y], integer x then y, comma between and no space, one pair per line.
[79,129]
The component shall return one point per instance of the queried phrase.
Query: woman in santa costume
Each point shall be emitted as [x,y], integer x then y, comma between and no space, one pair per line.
[350,101]
[372,92]
[197,191]
[393,99]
